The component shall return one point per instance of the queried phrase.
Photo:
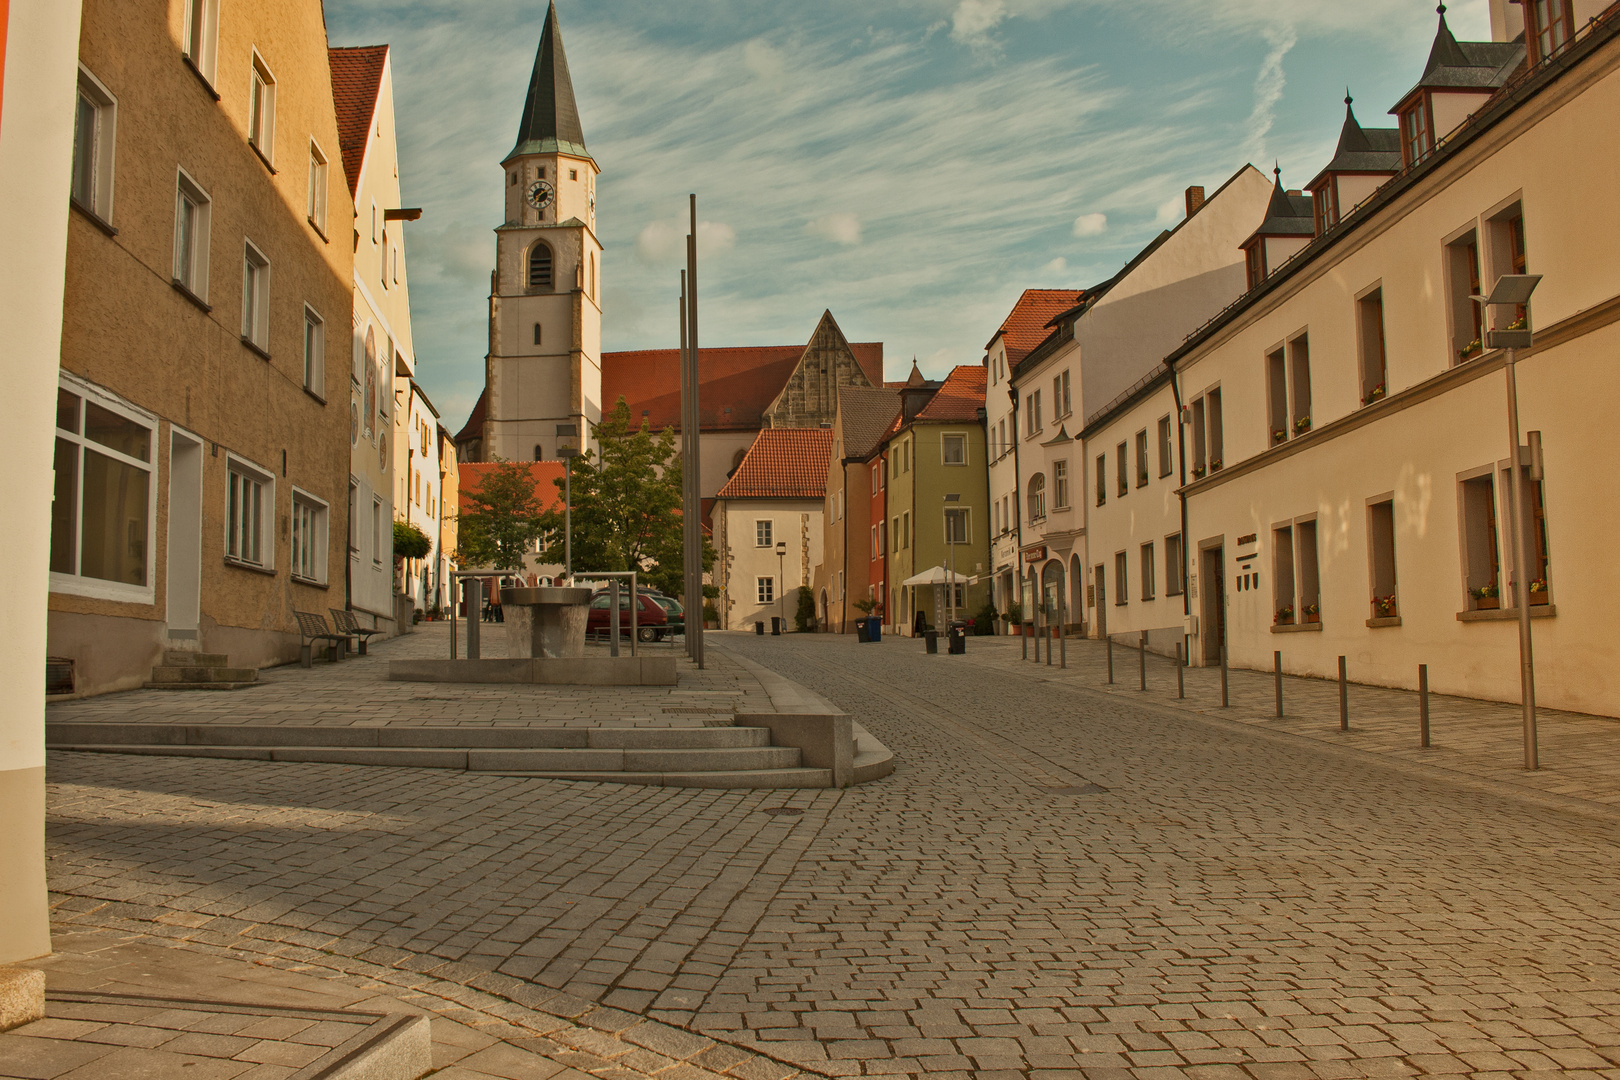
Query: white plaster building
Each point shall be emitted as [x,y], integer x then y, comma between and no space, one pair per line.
[776,496]
[419,493]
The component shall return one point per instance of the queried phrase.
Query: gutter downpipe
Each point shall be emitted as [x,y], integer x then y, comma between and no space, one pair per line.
[843,510]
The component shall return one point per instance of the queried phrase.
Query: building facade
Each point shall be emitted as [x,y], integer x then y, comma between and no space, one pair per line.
[768,526]
[202,466]
[420,491]
[851,543]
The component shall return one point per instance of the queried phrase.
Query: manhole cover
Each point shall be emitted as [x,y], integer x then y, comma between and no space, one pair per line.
[783,810]
[1089,789]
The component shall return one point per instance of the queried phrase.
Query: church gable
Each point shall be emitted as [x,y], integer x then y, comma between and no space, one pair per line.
[810,396]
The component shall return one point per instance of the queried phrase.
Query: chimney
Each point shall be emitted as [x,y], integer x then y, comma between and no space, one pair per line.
[1195,199]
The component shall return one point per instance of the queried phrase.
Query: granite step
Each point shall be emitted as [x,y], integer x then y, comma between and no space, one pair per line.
[174,674]
[186,658]
[65,734]
[720,759]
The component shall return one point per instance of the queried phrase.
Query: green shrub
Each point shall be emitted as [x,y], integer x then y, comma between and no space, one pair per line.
[984,623]
[410,542]
[806,612]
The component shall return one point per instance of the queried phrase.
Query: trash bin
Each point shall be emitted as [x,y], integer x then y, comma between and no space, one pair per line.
[759,628]
[931,638]
[874,629]
[863,630]
[957,638]
[776,626]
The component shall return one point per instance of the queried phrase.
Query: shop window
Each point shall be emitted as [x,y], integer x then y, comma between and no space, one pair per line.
[103,508]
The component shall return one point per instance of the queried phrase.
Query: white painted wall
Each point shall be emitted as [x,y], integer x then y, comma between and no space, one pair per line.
[797,521]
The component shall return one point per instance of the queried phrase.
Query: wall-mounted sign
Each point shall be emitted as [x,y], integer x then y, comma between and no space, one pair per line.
[1035,554]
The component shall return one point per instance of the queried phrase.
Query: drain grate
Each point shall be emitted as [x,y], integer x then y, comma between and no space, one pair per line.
[1089,789]
[782,810]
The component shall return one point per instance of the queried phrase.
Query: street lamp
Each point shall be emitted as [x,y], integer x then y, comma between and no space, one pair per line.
[568,453]
[951,500]
[1513,290]
[781,584]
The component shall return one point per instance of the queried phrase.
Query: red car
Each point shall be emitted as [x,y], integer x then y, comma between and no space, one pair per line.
[651,622]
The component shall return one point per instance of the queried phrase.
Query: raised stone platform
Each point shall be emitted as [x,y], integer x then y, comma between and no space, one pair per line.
[543,671]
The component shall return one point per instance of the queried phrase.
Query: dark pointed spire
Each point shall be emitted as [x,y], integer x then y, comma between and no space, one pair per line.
[1280,206]
[1352,140]
[1445,52]
[550,116]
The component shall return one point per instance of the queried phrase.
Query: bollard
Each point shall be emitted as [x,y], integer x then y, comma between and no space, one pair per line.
[1023,642]
[1141,652]
[613,616]
[1423,705]
[474,592]
[1110,639]
[1225,702]
[453,621]
[1344,698]
[1276,674]
[1181,682]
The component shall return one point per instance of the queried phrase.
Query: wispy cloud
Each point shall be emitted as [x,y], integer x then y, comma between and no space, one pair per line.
[1268,88]
[973,21]
[1091,224]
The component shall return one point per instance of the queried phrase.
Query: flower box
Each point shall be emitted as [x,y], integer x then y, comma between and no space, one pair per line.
[1487,603]
[1538,597]
[1313,616]
[1384,607]
[1473,348]
[1302,425]
[1279,435]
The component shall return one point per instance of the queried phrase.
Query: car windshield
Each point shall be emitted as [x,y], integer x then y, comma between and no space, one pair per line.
[669,604]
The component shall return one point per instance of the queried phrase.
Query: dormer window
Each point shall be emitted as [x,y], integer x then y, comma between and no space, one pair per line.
[1551,25]
[1417,132]
[1254,262]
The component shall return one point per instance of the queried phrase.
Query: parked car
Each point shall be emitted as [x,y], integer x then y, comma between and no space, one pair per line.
[651,622]
[673,611]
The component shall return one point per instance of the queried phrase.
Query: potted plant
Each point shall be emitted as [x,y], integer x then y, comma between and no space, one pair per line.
[984,623]
[1015,618]
[1538,591]
[1374,394]
[1198,472]
[1302,425]
[1279,434]
[1285,616]
[1469,349]
[1486,597]
[711,617]
[1517,324]
[1313,614]
[1214,463]
[1384,606]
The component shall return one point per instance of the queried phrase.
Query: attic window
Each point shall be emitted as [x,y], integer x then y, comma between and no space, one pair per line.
[646,412]
[573,174]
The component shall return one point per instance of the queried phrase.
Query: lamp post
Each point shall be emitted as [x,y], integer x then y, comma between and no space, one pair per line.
[951,501]
[568,453]
[781,583]
[1513,290]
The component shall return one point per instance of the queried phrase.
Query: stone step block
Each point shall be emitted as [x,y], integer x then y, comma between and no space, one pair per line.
[167,674]
[210,685]
[546,760]
[737,778]
[712,760]
[187,658]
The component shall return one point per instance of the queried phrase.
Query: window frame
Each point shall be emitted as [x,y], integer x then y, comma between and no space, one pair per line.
[1142,468]
[192,277]
[963,514]
[1375,511]
[946,439]
[764,532]
[1463,276]
[1060,484]
[103,143]
[765,589]
[1122,579]
[1122,470]
[76,583]
[261,126]
[314,353]
[1175,578]
[321,517]
[255,297]
[1166,446]
[200,45]
[550,282]
[1148,571]
[236,465]
[319,184]
[1037,498]
[1372,344]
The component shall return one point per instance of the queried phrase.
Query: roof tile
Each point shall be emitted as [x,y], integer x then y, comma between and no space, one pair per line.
[783,463]
[1025,327]
[960,398]
[356,80]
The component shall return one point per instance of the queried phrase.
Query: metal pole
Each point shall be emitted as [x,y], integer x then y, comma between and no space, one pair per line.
[568,520]
[1141,652]
[1063,626]
[1344,698]
[693,376]
[1521,571]
[453,619]
[635,611]
[1276,674]
[687,466]
[473,590]
[1181,680]
[1423,705]
[613,616]
[1048,625]
[1225,701]
[1110,639]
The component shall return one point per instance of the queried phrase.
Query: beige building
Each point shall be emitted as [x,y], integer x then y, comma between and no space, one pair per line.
[39,46]
[852,540]
[202,465]
[419,491]
[768,526]
[1362,506]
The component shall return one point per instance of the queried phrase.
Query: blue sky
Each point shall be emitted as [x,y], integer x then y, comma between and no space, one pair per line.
[912,165]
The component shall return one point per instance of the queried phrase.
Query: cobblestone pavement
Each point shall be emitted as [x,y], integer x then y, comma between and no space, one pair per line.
[1056,882]
[358,691]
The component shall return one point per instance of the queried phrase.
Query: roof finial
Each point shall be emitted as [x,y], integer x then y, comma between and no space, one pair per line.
[1442,10]
[1276,170]
[1347,98]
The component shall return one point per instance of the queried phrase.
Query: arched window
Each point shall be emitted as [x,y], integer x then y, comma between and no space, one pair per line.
[537,333]
[540,267]
[538,456]
[1037,497]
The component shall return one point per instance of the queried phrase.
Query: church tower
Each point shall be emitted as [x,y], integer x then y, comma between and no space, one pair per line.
[545,316]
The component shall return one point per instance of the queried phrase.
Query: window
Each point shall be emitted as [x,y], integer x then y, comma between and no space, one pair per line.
[1462,265]
[370,376]
[1037,497]
[1507,256]
[1060,396]
[883,538]
[1199,439]
[1417,132]
[255,297]
[102,514]
[1282,574]
[250,507]
[1535,528]
[262,108]
[1381,557]
[905,528]
[1166,464]
[1037,397]
[1060,485]
[317,188]
[309,525]
[1148,570]
[1549,24]
[387,253]
[1254,263]
[1122,467]
[1001,435]
[766,587]
[540,267]
[377,532]
[202,36]
[954,448]
[1277,397]
[1174,580]
[1307,569]
[956,524]
[1102,479]
[1374,365]
[1217,433]
[1122,595]
[314,353]
[94,126]
[1141,458]
[192,214]
[537,333]
[375,234]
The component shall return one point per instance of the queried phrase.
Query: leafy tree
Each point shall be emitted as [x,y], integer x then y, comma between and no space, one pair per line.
[627,506]
[502,519]
[410,542]
[805,613]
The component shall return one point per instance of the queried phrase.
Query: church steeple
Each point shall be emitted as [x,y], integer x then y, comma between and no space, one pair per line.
[550,121]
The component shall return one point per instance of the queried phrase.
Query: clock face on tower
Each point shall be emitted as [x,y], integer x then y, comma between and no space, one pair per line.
[540,194]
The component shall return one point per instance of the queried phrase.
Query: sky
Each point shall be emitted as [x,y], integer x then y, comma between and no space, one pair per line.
[911,165]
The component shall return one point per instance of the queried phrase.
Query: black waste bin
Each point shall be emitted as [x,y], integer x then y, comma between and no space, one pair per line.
[931,638]
[759,628]
[957,638]
[863,632]
[776,626]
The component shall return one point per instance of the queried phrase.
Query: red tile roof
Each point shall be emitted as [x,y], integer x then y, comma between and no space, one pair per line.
[737,384]
[470,475]
[783,463]
[1025,327]
[960,398]
[356,79]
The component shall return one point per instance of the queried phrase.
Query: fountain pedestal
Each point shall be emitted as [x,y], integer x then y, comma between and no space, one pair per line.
[546,622]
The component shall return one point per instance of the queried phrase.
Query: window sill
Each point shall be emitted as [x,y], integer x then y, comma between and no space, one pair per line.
[1295,628]
[197,71]
[268,571]
[95,219]
[310,582]
[255,148]
[1387,620]
[1537,611]
[181,288]
[314,395]
[256,347]
[320,232]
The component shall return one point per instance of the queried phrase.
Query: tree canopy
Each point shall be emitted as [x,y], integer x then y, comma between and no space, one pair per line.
[501,519]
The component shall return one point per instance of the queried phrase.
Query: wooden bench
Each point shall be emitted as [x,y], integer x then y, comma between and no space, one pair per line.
[346,623]
[313,628]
